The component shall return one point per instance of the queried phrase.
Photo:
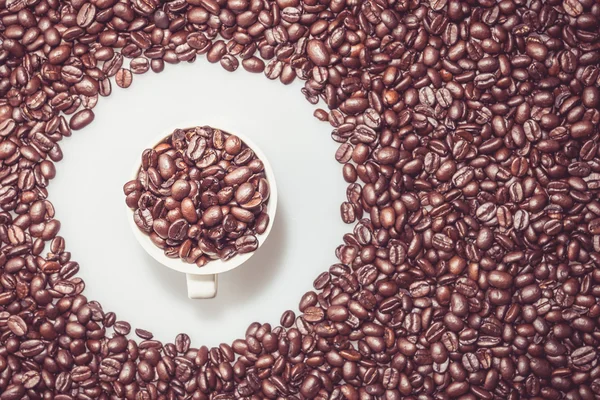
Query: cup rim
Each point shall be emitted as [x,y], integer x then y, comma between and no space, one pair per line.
[214,266]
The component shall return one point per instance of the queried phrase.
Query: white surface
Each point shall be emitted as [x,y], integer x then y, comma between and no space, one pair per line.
[88,197]
[215,266]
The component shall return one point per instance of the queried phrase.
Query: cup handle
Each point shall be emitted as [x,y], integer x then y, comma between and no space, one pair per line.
[201,286]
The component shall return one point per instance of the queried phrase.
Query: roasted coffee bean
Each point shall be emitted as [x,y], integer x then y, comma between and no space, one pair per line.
[246,244]
[124,78]
[318,53]
[499,279]
[139,65]
[253,64]
[17,325]
[229,62]
[81,119]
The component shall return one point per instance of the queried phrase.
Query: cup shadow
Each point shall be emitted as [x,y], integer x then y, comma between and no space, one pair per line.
[237,285]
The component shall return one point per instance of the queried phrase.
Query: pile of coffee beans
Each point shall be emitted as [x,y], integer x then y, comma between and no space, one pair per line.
[201,194]
[468,134]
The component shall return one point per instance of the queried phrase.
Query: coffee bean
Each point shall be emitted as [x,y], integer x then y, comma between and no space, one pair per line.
[521,220]
[584,358]
[180,189]
[139,65]
[244,193]
[531,293]
[246,244]
[7,149]
[229,62]
[442,242]
[178,230]
[354,105]
[591,97]
[337,313]
[344,153]
[144,334]
[145,371]
[212,216]
[196,148]
[317,52]
[122,327]
[253,64]
[166,166]
[581,129]
[262,223]
[572,7]
[59,54]
[310,386]
[81,119]
[238,176]
[287,319]
[17,325]
[499,279]
[233,145]
[13,392]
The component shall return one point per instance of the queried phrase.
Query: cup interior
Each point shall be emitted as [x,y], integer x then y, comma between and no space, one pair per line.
[214,266]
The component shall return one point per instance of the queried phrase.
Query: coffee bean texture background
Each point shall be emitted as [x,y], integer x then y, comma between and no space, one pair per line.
[468,136]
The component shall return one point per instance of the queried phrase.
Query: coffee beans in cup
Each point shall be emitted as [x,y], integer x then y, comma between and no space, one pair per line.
[201,194]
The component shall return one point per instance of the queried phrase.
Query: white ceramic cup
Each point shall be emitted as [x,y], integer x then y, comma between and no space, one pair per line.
[202,281]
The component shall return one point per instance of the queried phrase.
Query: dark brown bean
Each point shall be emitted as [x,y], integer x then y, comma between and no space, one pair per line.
[81,119]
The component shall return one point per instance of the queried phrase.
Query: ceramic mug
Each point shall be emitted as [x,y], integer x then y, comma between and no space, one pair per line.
[202,282]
